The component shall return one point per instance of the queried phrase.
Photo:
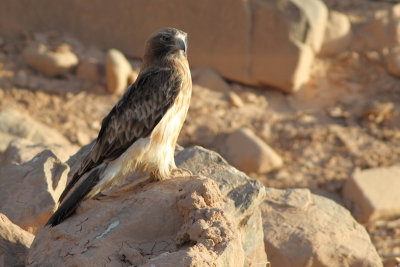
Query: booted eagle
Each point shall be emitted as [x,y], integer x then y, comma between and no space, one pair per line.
[140,132]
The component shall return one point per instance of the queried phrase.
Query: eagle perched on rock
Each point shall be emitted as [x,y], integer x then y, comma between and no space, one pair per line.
[141,130]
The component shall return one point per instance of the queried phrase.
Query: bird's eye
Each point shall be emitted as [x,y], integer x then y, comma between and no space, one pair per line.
[166,38]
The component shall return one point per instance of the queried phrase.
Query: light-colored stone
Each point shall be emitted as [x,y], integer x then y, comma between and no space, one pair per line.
[209,78]
[373,194]
[338,34]
[22,150]
[235,99]
[89,69]
[290,54]
[51,63]
[247,152]
[13,122]
[29,192]
[177,222]
[14,243]
[302,229]
[118,71]
[254,42]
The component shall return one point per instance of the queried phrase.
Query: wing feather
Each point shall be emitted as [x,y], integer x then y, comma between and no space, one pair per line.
[146,101]
[135,115]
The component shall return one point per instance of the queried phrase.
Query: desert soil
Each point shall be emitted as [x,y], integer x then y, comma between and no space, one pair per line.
[345,118]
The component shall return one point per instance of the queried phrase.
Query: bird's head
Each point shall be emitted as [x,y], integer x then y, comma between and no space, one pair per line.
[166,43]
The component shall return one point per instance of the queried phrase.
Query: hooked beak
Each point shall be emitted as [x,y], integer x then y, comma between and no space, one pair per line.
[182,45]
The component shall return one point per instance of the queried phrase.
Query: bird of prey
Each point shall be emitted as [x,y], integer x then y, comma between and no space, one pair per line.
[140,132]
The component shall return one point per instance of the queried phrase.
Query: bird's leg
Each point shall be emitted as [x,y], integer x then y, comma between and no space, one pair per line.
[180,172]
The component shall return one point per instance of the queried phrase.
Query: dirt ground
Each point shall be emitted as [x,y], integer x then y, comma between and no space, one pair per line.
[345,118]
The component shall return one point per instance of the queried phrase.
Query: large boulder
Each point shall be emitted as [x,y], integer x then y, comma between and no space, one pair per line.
[302,229]
[29,192]
[186,221]
[254,42]
[178,222]
[14,243]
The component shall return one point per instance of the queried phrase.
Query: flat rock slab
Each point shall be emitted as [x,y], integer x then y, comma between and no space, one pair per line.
[374,193]
[302,229]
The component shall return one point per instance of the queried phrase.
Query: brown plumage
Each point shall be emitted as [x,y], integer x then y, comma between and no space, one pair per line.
[141,130]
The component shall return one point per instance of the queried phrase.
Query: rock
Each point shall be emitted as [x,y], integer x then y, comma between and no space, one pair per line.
[31,196]
[169,202]
[89,69]
[177,222]
[14,243]
[51,63]
[247,152]
[246,194]
[338,34]
[12,122]
[22,150]
[118,71]
[210,78]
[295,41]
[235,100]
[254,42]
[392,61]
[298,226]
[373,194]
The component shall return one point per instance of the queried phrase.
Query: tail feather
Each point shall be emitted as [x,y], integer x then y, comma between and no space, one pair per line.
[69,206]
[69,186]
[77,175]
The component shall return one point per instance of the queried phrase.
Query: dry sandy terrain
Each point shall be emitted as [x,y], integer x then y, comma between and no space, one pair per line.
[346,117]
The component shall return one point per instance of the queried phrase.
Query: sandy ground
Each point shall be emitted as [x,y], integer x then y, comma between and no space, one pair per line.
[345,118]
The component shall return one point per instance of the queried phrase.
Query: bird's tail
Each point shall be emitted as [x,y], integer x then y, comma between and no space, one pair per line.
[88,165]
[68,207]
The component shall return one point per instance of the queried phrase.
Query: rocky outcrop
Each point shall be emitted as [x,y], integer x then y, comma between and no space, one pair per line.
[302,229]
[178,222]
[186,221]
[253,42]
[29,192]
[14,243]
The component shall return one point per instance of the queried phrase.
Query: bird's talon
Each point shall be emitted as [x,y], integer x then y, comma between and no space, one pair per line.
[179,172]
